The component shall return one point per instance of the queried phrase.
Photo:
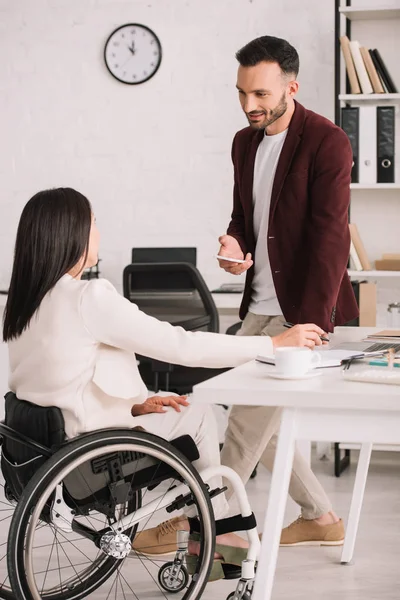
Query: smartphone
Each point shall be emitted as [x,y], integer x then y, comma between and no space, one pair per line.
[235,260]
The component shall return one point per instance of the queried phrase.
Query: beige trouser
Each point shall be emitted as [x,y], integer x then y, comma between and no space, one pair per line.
[251,437]
[198,421]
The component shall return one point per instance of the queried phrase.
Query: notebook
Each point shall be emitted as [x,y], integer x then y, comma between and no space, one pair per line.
[330,358]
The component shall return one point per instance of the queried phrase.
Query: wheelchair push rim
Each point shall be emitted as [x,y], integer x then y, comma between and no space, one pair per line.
[7,509]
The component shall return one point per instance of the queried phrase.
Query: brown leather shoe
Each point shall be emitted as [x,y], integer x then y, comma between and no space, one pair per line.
[308,533]
[160,540]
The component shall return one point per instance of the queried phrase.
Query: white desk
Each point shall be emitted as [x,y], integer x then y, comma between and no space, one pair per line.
[227,302]
[325,408]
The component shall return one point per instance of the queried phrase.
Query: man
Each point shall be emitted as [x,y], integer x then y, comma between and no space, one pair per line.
[291,198]
[290,212]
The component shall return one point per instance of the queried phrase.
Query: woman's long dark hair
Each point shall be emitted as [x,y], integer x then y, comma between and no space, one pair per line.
[52,237]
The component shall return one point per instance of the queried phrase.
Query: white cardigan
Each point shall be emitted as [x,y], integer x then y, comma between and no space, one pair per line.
[78,353]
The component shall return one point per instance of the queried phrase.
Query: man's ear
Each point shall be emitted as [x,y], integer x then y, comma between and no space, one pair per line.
[293,88]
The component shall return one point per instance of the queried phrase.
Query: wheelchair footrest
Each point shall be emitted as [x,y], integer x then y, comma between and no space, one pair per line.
[235,523]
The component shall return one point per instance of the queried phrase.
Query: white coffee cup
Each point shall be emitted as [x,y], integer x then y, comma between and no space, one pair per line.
[293,361]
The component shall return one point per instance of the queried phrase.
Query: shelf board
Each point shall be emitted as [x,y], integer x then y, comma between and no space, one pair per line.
[375,186]
[373,274]
[377,98]
[380,447]
[368,14]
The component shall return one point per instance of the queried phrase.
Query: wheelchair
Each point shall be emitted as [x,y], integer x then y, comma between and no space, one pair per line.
[72,509]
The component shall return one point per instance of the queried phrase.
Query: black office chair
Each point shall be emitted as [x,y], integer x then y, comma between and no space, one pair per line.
[174,292]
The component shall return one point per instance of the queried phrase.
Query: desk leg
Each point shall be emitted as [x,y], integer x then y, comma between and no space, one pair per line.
[276,506]
[356,503]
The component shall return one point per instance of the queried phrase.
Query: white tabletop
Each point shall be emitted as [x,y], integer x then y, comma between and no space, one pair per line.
[250,385]
[227,301]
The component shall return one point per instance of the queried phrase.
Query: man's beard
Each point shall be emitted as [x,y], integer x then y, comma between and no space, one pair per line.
[271,115]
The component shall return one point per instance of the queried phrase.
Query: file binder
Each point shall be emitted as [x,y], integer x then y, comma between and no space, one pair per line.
[385,143]
[385,75]
[367,152]
[350,126]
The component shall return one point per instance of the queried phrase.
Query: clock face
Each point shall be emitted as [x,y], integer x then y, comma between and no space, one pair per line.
[132,53]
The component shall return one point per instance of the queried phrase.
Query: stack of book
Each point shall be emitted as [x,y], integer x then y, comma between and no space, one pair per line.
[366,70]
[358,255]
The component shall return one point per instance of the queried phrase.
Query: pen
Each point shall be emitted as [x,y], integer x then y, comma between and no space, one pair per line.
[289,325]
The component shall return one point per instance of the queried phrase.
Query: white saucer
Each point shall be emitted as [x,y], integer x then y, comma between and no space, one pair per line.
[309,375]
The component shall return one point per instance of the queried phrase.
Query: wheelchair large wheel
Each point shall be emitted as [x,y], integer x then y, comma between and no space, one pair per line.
[46,561]
[7,508]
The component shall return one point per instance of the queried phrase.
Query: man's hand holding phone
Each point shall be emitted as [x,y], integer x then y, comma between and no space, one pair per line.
[228,252]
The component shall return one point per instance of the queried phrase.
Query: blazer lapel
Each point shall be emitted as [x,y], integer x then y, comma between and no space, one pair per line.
[285,160]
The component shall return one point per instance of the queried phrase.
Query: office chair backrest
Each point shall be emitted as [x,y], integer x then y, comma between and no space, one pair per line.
[146,255]
[179,281]
[173,292]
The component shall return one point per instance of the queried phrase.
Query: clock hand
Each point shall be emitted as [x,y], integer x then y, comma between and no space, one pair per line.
[122,66]
[132,50]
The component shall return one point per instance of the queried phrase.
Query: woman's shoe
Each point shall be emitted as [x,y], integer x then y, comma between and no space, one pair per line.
[232,557]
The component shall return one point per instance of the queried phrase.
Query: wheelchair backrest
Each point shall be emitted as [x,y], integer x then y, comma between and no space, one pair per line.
[44,425]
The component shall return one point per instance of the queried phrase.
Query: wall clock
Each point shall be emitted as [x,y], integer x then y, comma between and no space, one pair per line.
[132,53]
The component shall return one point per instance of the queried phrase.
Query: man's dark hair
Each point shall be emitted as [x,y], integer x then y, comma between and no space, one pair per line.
[53,235]
[270,49]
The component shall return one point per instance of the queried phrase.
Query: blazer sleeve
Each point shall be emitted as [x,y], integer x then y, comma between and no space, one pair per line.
[113,320]
[328,231]
[236,227]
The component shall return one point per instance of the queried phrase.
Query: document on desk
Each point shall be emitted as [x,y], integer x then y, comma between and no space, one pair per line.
[329,358]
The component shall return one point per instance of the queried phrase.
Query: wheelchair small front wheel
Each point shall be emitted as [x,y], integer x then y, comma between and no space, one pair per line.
[246,596]
[173,578]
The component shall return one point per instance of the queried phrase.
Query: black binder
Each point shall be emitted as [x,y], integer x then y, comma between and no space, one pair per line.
[383,72]
[350,124]
[385,119]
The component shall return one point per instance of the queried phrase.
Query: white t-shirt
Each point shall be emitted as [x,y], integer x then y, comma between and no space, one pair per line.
[264,300]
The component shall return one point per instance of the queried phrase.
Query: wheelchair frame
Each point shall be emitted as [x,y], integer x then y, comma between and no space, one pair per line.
[245,584]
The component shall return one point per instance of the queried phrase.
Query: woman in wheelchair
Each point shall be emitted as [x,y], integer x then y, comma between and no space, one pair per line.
[82,503]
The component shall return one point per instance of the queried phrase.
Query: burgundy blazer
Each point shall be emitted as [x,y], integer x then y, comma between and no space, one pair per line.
[308,235]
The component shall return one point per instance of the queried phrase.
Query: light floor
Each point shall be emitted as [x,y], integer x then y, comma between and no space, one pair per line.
[314,573]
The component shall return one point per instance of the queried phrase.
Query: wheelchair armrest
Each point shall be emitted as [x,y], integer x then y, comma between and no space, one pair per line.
[186,445]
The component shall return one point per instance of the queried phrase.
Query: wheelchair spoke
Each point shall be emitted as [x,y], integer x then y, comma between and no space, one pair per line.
[122,577]
[60,568]
[67,541]
[48,562]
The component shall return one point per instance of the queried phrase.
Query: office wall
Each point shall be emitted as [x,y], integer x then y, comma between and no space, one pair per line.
[154,159]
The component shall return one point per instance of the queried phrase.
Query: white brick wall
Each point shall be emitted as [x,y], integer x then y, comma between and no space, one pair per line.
[154,159]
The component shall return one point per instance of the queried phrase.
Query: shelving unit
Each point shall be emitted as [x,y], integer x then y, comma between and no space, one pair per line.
[372,274]
[375,186]
[377,98]
[345,16]
[363,20]
[353,13]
